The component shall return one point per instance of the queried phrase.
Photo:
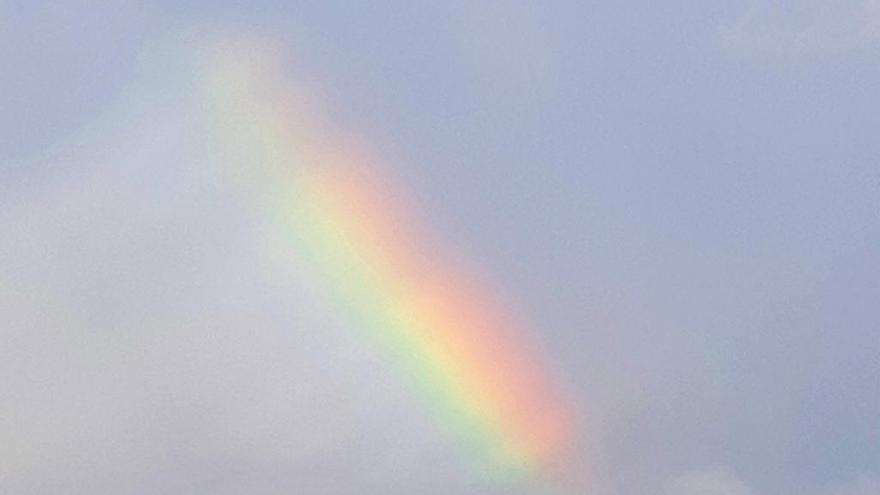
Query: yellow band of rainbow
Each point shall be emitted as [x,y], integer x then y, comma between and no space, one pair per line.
[463,352]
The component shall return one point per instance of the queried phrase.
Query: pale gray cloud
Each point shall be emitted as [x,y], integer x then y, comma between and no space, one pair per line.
[151,345]
[709,481]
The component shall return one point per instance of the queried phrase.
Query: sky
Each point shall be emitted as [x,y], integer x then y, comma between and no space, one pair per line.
[652,226]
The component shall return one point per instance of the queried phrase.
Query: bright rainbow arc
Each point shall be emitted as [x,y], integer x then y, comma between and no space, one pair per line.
[462,350]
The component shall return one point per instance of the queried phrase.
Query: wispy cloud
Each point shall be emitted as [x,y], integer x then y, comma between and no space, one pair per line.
[866,484]
[804,29]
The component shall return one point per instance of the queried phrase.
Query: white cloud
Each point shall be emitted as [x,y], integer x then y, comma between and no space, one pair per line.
[867,484]
[723,481]
[805,29]
[149,346]
[710,481]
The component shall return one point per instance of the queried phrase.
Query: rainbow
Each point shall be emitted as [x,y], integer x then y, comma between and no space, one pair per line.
[462,351]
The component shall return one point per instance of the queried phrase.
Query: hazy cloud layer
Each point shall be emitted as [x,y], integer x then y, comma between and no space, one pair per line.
[693,237]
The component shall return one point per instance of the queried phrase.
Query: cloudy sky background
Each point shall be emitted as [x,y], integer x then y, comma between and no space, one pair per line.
[682,197]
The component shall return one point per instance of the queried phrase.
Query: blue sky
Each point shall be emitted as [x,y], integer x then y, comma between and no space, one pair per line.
[683,197]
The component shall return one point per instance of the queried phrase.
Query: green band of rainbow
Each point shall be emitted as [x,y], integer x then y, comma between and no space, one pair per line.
[463,352]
